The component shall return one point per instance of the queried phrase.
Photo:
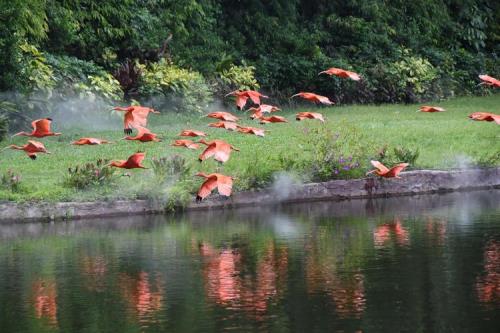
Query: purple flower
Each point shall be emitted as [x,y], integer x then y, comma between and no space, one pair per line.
[336,171]
[346,168]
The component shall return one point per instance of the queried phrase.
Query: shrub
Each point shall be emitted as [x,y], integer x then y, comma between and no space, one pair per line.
[406,155]
[11,181]
[180,89]
[90,174]
[336,155]
[237,78]
[488,159]
[175,166]
[36,72]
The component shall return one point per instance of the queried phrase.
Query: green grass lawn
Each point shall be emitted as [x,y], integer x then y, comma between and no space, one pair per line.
[445,140]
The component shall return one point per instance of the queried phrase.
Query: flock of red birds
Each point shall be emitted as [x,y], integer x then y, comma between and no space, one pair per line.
[136,118]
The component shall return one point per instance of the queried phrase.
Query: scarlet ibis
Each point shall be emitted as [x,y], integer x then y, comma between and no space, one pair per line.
[89,141]
[192,133]
[41,128]
[224,124]
[383,171]
[251,130]
[272,119]
[224,185]
[135,116]
[489,81]
[263,108]
[485,116]
[219,149]
[143,135]
[133,162]
[243,96]
[427,108]
[314,98]
[342,73]
[31,148]
[185,143]
[226,116]
[309,115]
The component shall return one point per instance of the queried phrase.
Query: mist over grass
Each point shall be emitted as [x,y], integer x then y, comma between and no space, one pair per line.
[445,140]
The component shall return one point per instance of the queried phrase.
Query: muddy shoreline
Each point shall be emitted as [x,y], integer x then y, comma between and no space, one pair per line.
[411,183]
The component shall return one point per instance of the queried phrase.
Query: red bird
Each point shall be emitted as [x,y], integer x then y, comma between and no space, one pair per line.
[224,124]
[427,108]
[143,135]
[133,162]
[185,143]
[485,116]
[226,116]
[489,81]
[243,96]
[382,171]
[31,148]
[135,116]
[251,130]
[41,128]
[89,141]
[219,149]
[309,115]
[314,98]
[192,133]
[224,185]
[272,119]
[342,73]
[263,108]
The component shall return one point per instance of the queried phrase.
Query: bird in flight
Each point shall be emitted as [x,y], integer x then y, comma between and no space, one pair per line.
[489,81]
[31,148]
[311,97]
[135,116]
[133,162]
[242,97]
[143,135]
[383,171]
[485,116]
[220,150]
[272,119]
[41,128]
[185,143]
[226,116]
[192,133]
[89,141]
[251,130]
[427,108]
[224,185]
[342,73]
[230,126]
[309,115]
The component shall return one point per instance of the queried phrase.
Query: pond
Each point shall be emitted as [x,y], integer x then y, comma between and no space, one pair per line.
[409,264]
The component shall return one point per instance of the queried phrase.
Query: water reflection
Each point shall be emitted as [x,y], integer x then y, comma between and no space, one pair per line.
[375,265]
[488,284]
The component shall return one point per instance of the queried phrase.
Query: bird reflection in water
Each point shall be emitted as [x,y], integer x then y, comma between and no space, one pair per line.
[436,229]
[384,233]
[94,270]
[144,295]
[488,284]
[227,286]
[45,300]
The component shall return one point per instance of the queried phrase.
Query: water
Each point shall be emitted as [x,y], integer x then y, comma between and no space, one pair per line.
[412,264]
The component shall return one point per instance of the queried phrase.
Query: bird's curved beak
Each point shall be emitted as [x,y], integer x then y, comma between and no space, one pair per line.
[48,152]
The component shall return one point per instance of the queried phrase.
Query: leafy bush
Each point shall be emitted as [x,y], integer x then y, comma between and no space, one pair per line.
[36,72]
[336,155]
[90,174]
[236,78]
[174,166]
[4,127]
[489,159]
[181,89]
[399,154]
[11,181]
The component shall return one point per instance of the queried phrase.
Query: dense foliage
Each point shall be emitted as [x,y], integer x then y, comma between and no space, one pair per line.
[187,50]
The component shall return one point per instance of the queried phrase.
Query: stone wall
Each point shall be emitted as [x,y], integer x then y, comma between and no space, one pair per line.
[412,182]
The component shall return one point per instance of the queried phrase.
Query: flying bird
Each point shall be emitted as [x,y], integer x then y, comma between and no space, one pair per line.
[251,130]
[383,171]
[258,112]
[485,116]
[192,133]
[242,97]
[185,143]
[219,149]
[133,162]
[31,148]
[489,81]
[135,116]
[427,108]
[309,115]
[89,141]
[311,97]
[41,128]
[224,124]
[143,135]
[224,185]
[272,119]
[226,116]
[342,73]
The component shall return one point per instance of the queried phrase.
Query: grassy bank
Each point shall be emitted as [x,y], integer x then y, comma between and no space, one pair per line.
[444,140]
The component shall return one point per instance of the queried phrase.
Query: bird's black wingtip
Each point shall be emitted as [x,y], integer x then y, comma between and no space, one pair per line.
[127,131]
[49,119]
[33,157]
[198,198]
